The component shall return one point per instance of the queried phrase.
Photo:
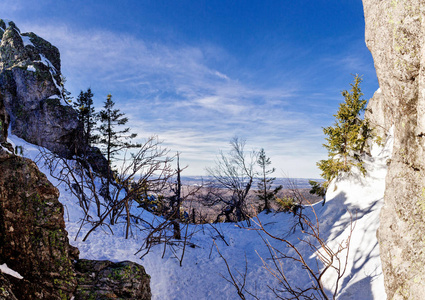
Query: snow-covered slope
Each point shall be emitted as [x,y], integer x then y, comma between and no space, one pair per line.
[363,197]
[200,277]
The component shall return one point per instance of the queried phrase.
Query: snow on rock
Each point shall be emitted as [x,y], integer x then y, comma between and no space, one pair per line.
[48,64]
[31,68]
[53,72]
[26,40]
[201,275]
[5,269]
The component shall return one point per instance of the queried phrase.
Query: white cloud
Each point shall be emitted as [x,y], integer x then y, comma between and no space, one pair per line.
[172,91]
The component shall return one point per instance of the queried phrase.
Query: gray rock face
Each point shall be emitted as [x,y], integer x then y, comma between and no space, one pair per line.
[376,112]
[395,34]
[30,82]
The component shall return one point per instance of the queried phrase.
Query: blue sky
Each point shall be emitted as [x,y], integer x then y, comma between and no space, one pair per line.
[198,73]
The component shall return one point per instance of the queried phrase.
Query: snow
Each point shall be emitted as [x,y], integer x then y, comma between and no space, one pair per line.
[53,72]
[3,148]
[353,197]
[47,62]
[31,68]
[5,269]
[363,196]
[26,40]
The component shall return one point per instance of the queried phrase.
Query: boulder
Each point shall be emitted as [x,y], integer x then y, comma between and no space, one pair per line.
[108,280]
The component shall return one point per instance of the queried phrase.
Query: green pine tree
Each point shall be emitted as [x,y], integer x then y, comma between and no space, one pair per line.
[265,192]
[87,116]
[113,141]
[347,139]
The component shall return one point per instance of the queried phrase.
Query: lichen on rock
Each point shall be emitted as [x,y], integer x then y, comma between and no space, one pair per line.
[33,238]
[6,292]
[108,280]
[395,35]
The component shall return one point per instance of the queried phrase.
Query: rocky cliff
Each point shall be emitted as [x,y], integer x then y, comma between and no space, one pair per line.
[34,243]
[395,35]
[33,239]
[32,90]
[30,82]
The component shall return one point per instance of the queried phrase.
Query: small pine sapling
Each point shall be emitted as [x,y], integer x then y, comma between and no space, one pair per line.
[347,139]
[288,204]
[265,191]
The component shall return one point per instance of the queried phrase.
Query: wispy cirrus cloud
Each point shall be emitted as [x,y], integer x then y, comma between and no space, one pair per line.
[174,91]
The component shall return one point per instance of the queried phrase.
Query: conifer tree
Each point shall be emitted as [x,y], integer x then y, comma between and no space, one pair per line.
[87,116]
[112,140]
[265,192]
[347,139]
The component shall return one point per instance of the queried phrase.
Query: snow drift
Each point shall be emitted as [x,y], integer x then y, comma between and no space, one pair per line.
[203,274]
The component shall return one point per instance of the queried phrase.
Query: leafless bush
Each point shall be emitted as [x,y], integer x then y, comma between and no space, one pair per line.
[239,284]
[327,260]
[148,170]
[235,173]
[79,178]
[172,226]
[284,254]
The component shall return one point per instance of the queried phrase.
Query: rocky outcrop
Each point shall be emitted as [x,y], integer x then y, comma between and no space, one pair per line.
[33,239]
[30,83]
[395,34]
[34,243]
[105,279]
[31,89]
